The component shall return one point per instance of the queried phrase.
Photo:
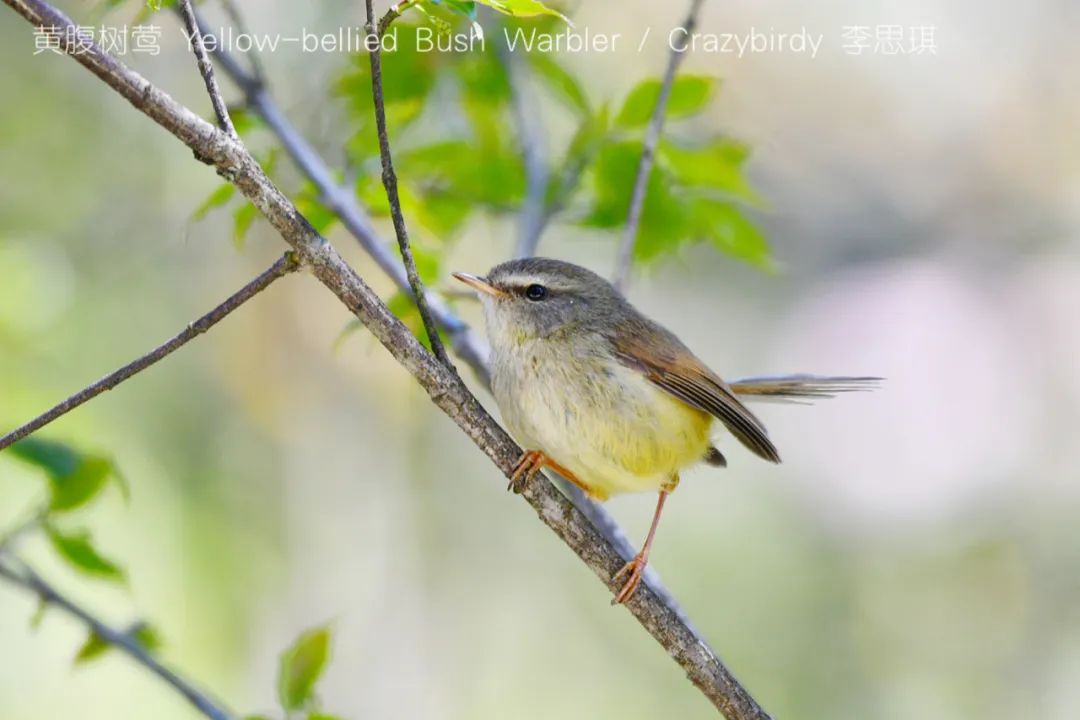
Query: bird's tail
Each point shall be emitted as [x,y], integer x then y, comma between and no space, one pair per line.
[800,389]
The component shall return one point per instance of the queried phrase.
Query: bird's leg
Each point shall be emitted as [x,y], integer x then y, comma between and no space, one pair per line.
[636,567]
[532,462]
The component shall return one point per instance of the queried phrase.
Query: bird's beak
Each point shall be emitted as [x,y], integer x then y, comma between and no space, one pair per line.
[479,283]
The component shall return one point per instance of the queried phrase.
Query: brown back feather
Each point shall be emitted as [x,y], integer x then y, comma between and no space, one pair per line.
[644,346]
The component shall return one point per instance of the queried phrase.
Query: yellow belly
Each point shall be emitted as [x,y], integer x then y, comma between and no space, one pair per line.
[606,423]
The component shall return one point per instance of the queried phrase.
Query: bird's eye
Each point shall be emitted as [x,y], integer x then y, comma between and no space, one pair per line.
[535,292]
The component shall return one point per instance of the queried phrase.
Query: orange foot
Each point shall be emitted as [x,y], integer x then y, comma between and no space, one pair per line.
[636,570]
[532,462]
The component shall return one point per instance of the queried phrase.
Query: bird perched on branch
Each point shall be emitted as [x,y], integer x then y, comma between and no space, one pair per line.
[607,398]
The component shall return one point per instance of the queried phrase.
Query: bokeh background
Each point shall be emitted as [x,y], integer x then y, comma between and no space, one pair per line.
[917,555]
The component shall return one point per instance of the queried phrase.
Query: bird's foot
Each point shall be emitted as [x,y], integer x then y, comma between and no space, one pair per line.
[635,571]
[530,463]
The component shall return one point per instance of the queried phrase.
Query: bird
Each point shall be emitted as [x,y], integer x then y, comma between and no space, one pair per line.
[609,399]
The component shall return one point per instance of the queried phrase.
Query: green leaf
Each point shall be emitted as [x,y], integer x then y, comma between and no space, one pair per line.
[146,635]
[427,263]
[301,666]
[561,81]
[492,175]
[442,27]
[717,165]
[74,479]
[613,177]
[95,646]
[665,223]
[322,716]
[244,120]
[80,486]
[441,213]
[523,8]
[484,79]
[219,197]
[408,77]
[76,548]
[53,457]
[242,219]
[727,229]
[689,95]
[462,7]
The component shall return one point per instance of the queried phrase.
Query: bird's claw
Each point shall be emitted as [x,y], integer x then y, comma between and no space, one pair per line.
[525,470]
[636,570]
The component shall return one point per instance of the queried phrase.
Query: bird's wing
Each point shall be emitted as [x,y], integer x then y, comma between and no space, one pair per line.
[667,363]
[800,389]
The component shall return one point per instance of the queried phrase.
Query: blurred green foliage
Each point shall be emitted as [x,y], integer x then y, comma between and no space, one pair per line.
[140,632]
[301,666]
[76,479]
[452,165]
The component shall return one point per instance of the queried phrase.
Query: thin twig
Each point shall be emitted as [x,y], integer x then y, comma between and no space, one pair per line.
[470,347]
[536,212]
[444,387]
[206,68]
[532,155]
[26,578]
[287,263]
[389,179]
[391,15]
[625,257]
[340,199]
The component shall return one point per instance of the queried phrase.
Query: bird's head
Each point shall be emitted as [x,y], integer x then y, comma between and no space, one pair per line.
[539,297]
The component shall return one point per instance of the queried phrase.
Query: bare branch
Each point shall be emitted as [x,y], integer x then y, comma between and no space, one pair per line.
[285,264]
[23,576]
[206,68]
[625,256]
[532,154]
[340,199]
[444,387]
[535,215]
[389,179]
[391,15]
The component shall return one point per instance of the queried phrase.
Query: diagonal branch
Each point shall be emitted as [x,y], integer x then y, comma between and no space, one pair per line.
[340,199]
[21,575]
[286,264]
[445,388]
[195,36]
[625,257]
[389,178]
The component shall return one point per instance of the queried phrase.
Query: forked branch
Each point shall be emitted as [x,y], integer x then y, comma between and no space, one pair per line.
[445,388]
[389,178]
[206,68]
[340,199]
